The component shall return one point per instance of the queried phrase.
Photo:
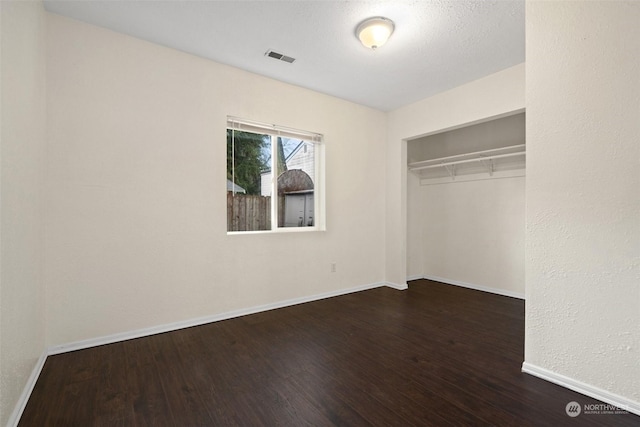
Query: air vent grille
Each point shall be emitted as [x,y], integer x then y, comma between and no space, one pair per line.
[279,56]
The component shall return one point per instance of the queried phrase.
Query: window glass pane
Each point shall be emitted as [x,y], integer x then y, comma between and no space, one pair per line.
[295,166]
[274,177]
[248,159]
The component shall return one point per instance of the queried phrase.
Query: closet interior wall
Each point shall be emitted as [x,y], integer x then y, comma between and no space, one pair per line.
[467,228]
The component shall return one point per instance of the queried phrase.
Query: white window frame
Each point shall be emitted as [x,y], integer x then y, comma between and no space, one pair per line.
[319,221]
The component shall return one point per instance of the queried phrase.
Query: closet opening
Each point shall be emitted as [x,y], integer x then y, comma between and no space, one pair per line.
[466,206]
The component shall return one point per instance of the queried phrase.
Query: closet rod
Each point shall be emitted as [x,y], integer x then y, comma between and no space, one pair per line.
[462,156]
[477,159]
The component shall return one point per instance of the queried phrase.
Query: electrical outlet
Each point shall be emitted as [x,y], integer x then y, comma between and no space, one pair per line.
[333,267]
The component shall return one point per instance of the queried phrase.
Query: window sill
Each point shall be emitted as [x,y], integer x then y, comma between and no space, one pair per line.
[281,230]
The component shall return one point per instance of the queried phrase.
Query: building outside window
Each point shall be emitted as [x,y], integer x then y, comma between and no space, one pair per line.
[274,178]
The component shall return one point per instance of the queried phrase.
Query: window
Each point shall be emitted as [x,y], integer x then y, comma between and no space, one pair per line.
[273,178]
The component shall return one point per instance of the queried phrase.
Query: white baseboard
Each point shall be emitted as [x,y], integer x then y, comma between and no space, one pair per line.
[26,392]
[123,336]
[415,277]
[583,388]
[398,286]
[497,291]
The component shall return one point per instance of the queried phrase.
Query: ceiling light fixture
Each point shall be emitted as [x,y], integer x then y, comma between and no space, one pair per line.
[374,32]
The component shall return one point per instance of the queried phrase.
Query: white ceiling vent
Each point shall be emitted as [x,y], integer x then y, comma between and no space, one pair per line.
[281,57]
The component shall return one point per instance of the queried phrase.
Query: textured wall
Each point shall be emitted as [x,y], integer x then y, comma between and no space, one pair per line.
[22,137]
[136,184]
[583,203]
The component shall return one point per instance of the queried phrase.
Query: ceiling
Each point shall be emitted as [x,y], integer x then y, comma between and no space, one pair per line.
[437,44]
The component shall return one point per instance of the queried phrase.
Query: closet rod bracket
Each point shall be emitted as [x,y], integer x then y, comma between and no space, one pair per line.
[452,170]
[488,164]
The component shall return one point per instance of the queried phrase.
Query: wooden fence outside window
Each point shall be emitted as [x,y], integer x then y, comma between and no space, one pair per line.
[248,212]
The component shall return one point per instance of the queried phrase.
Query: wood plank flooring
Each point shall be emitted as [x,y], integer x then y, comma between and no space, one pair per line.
[434,355]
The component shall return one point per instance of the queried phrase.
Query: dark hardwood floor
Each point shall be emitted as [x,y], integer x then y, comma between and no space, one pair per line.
[432,355]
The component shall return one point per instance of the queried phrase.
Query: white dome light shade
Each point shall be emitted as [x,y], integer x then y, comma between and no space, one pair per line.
[374,32]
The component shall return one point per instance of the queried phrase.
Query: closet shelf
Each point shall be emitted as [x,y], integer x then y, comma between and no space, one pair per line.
[485,157]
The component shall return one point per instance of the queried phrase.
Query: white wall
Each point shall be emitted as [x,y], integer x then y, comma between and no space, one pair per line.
[493,96]
[22,136]
[473,233]
[415,228]
[583,204]
[136,185]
